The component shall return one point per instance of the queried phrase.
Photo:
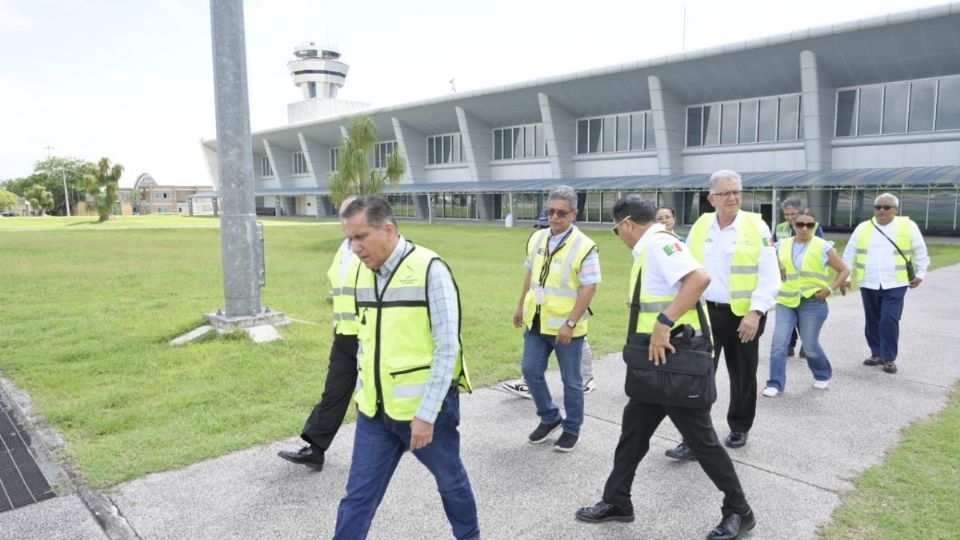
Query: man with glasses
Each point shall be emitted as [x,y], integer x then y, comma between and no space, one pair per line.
[735,248]
[563,270]
[790,208]
[887,254]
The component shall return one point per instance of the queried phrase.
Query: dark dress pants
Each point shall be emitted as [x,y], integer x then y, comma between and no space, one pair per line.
[741,360]
[640,421]
[325,420]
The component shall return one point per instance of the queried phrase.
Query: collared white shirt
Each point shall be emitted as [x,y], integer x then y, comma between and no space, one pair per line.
[882,256]
[668,261]
[718,258]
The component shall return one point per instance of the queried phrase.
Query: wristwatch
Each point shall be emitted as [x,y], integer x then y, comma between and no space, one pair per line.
[758,312]
[664,320]
[570,323]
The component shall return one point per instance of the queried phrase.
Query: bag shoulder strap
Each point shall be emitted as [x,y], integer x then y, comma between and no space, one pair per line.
[877,227]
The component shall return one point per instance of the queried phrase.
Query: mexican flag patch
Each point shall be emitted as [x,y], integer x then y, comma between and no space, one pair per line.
[767,242]
[673,248]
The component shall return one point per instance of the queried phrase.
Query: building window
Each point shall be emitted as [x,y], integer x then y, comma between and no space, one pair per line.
[334,158]
[900,107]
[615,133]
[381,151]
[745,121]
[265,168]
[300,163]
[519,142]
[455,206]
[446,148]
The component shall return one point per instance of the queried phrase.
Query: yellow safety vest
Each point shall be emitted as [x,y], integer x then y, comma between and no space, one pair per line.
[396,344]
[745,268]
[343,280]
[561,283]
[812,276]
[902,235]
[651,305]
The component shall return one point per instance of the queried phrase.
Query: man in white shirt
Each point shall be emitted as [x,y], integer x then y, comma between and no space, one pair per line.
[736,249]
[880,253]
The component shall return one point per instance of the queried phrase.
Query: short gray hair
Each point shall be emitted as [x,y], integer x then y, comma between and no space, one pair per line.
[793,202]
[376,208]
[896,201]
[565,193]
[723,174]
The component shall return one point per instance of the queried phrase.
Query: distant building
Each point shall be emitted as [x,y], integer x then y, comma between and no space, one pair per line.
[833,115]
[149,197]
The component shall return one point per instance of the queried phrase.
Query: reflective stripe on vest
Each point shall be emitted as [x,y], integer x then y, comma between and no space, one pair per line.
[745,268]
[562,286]
[811,277]
[650,305]
[343,275]
[902,235]
[396,342]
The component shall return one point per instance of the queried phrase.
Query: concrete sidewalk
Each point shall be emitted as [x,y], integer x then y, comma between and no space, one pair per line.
[805,447]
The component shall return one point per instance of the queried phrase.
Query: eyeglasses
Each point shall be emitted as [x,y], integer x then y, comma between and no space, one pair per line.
[805,224]
[882,207]
[619,223]
[558,213]
[725,194]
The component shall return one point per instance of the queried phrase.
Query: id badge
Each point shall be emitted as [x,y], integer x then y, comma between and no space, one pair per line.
[539,295]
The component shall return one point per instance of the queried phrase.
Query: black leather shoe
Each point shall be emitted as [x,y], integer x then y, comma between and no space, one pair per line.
[872,361]
[682,451]
[602,511]
[308,455]
[733,527]
[736,439]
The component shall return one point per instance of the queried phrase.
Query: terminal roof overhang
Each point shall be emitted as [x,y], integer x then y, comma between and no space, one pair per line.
[901,178]
[909,45]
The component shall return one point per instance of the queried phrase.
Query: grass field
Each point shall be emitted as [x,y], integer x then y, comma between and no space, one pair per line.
[86,311]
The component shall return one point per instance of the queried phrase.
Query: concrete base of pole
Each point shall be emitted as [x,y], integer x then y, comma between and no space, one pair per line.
[267,316]
[261,328]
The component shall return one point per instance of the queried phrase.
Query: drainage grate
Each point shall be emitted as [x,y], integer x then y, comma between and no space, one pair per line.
[21,482]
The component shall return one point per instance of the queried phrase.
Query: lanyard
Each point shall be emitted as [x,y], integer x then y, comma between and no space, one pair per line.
[545,269]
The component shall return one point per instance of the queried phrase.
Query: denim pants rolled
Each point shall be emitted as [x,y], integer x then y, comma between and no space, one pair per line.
[809,317]
[536,350]
[379,443]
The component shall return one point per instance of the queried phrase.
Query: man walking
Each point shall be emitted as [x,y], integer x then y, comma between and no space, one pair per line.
[735,248]
[667,275]
[325,419]
[882,251]
[563,270]
[410,369]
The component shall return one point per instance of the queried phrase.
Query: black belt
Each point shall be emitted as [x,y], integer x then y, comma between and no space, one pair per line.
[718,305]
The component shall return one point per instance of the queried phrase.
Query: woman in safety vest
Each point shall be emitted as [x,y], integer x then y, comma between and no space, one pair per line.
[802,301]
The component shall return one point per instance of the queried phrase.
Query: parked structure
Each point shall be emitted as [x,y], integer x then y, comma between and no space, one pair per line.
[149,197]
[833,115]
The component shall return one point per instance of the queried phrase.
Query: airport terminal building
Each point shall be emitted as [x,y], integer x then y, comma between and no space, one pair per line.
[833,115]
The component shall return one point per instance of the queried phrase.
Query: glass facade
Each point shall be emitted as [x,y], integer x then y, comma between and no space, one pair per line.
[447,148]
[745,121]
[616,133]
[300,163]
[901,107]
[334,158]
[381,151]
[402,205]
[265,168]
[519,142]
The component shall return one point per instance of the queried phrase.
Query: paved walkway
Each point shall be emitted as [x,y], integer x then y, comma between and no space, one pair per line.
[804,449]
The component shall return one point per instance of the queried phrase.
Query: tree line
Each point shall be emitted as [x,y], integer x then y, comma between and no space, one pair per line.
[96,184]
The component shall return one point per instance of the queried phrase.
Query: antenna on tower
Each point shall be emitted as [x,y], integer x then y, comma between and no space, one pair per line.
[453,86]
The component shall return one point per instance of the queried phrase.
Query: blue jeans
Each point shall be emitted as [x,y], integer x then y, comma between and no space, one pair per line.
[536,350]
[377,447]
[882,309]
[809,316]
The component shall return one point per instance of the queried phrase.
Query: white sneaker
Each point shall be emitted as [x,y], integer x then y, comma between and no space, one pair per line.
[821,385]
[517,388]
[589,386]
[770,391]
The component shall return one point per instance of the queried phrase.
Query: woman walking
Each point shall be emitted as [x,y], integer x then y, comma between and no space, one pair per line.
[802,301]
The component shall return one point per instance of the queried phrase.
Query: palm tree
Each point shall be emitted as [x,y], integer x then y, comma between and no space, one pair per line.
[353,175]
[103,186]
[40,199]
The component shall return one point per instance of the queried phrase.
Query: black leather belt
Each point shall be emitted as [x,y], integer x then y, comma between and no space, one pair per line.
[718,305]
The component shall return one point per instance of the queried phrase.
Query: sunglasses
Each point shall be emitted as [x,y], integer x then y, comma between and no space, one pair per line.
[615,228]
[558,213]
[882,207]
[805,224]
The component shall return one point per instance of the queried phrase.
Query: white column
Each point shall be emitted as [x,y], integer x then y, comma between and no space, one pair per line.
[669,121]
[560,134]
[309,156]
[817,112]
[413,148]
[477,145]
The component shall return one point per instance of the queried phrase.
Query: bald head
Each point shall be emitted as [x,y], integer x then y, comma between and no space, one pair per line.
[346,202]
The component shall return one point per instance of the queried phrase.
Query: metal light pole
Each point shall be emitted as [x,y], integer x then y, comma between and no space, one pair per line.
[238,223]
[66,196]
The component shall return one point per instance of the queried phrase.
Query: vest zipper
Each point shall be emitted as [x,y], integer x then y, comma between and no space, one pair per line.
[410,370]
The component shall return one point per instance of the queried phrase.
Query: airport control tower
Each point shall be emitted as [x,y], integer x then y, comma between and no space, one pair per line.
[319,73]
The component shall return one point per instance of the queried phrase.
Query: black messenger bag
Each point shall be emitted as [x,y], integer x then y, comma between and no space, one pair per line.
[687,379]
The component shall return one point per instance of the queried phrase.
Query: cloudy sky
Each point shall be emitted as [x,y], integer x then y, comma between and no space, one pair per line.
[132,80]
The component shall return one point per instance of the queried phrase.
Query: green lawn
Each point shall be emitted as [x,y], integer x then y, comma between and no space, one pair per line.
[86,311]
